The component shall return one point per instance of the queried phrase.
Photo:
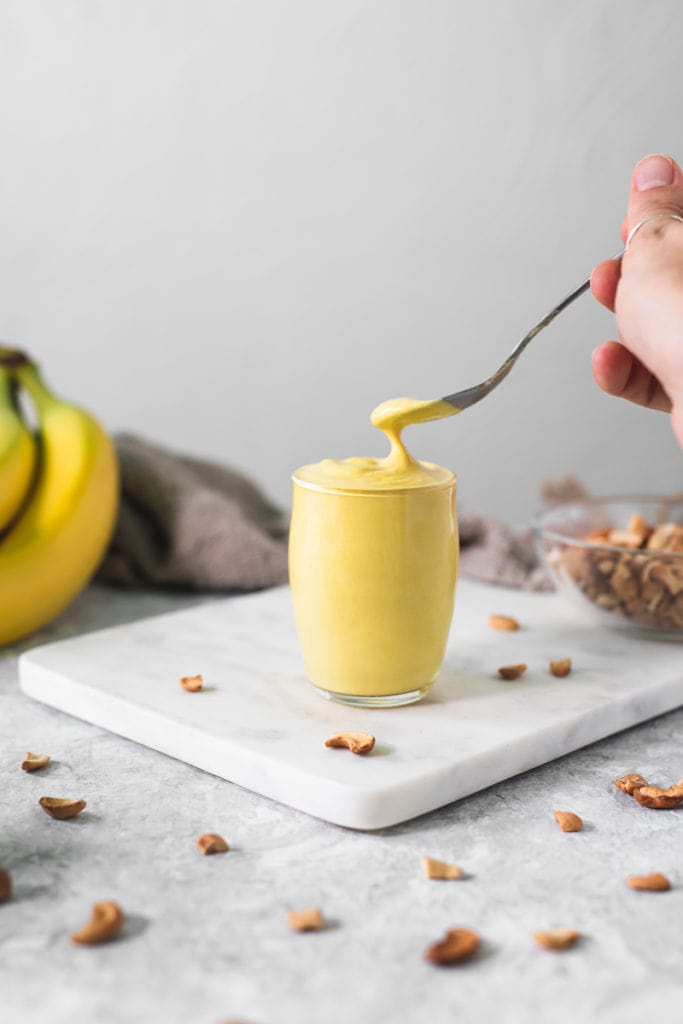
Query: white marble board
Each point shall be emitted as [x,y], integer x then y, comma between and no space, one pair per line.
[259,723]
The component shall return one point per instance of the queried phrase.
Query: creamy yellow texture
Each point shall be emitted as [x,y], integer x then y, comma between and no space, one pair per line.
[399,469]
[373,563]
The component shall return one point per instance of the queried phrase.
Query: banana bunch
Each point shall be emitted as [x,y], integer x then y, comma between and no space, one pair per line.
[18,454]
[58,499]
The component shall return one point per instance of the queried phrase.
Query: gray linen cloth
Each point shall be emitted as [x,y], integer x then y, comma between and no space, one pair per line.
[185,522]
[493,553]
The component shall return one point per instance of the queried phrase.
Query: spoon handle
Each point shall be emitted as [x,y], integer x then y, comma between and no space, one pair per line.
[464,399]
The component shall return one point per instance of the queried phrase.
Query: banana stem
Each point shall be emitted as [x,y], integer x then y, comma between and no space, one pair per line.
[5,386]
[28,376]
[13,358]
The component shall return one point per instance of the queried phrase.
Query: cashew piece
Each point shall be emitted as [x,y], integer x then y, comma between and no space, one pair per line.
[105,924]
[511,671]
[439,869]
[568,821]
[457,944]
[561,668]
[61,808]
[5,885]
[649,883]
[212,843]
[32,762]
[503,622]
[356,742]
[557,938]
[659,799]
[192,684]
[628,783]
[305,920]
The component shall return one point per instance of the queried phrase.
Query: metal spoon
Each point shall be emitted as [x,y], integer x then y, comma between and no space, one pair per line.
[464,399]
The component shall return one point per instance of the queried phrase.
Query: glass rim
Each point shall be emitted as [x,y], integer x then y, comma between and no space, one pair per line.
[376,492]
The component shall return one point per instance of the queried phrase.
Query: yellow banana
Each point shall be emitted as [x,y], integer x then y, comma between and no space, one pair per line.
[58,542]
[18,453]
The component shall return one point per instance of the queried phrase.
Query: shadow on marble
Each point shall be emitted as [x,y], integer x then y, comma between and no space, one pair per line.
[82,820]
[24,853]
[22,892]
[49,769]
[135,925]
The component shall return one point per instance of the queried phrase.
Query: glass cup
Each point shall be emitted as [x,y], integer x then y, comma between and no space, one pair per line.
[373,578]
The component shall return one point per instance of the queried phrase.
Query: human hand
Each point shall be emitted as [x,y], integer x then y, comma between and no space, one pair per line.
[645,290]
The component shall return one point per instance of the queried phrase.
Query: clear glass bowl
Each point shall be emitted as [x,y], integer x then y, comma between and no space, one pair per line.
[637,589]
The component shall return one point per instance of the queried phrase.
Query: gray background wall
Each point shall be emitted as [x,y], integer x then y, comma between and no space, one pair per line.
[235,227]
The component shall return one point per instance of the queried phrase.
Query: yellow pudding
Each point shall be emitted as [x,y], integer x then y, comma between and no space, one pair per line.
[373,563]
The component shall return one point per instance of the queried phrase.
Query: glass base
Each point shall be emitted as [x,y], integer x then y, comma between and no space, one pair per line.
[392,700]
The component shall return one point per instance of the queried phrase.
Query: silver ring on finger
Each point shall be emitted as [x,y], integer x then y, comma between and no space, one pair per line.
[653,216]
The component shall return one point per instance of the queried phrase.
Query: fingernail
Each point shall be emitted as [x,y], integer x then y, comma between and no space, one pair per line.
[653,172]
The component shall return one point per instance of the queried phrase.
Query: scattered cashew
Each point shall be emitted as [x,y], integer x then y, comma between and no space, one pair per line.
[192,683]
[60,808]
[561,668]
[305,920]
[5,885]
[557,938]
[105,924]
[32,762]
[212,843]
[503,622]
[659,799]
[649,883]
[356,742]
[629,783]
[568,821]
[651,796]
[439,869]
[457,944]
[511,671]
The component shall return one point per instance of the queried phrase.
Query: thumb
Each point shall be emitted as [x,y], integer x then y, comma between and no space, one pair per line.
[656,187]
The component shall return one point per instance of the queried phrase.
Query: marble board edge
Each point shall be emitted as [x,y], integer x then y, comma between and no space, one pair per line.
[378,807]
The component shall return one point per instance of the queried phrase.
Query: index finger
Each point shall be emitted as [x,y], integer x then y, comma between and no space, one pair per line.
[604,281]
